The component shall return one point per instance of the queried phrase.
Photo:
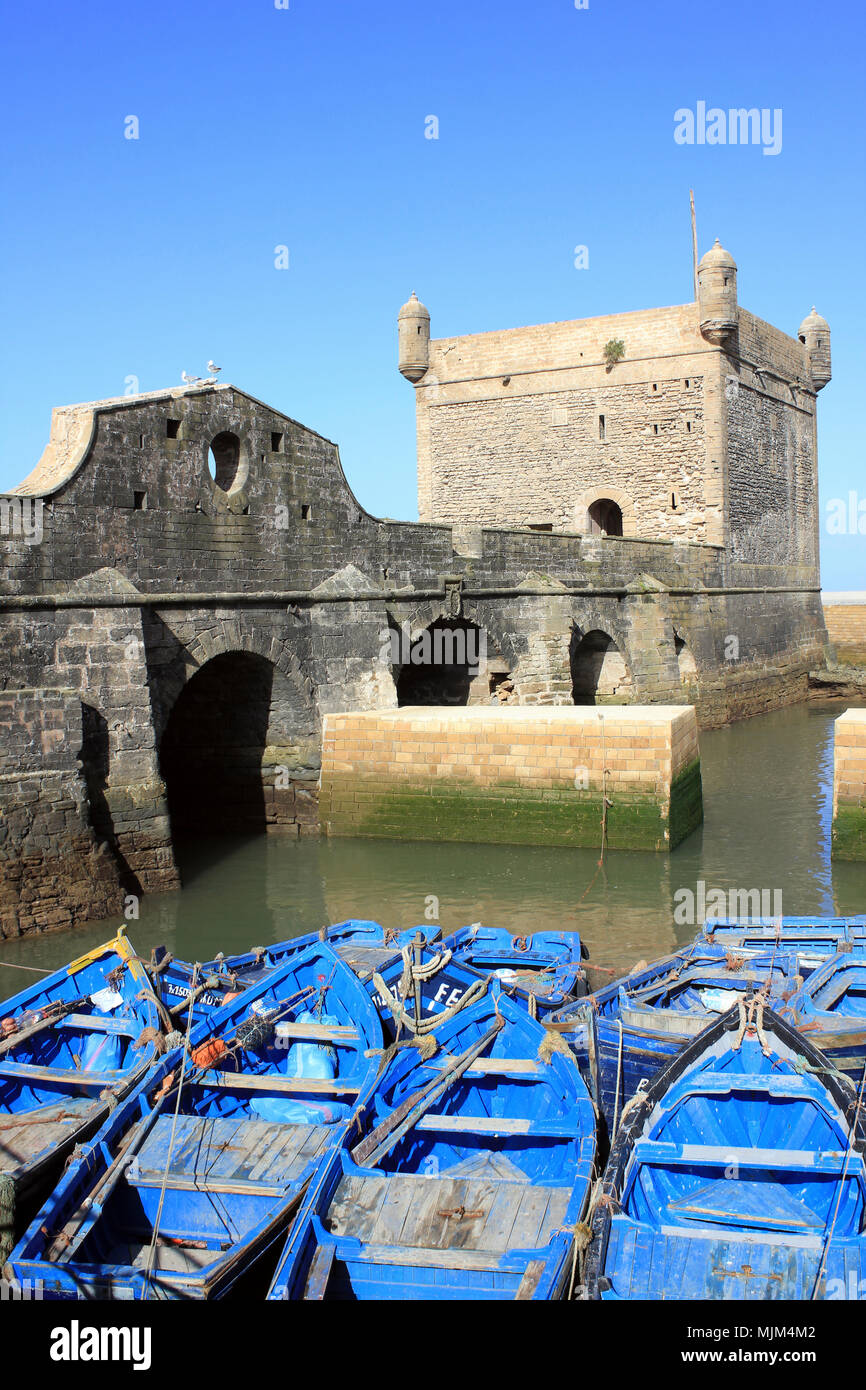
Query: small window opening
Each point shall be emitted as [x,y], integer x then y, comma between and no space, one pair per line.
[673,501]
[688,383]
[541,525]
[506,381]
[141,441]
[727,281]
[655,429]
[602,428]
[688,426]
[306,511]
[655,386]
[276,442]
[139,501]
[172,429]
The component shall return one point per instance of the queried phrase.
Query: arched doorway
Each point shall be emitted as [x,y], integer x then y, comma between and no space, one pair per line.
[444,665]
[213,747]
[686,663]
[605,517]
[599,673]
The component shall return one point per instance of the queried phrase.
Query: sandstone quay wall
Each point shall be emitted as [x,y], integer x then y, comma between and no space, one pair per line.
[54,872]
[845,617]
[849,786]
[517,776]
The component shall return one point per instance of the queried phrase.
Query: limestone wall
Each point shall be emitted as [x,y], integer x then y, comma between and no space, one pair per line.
[530,776]
[849,786]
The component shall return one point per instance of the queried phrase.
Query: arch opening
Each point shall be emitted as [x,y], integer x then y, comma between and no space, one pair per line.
[224,460]
[604,517]
[688,667]
[599,673]
[445,665]
[240,753]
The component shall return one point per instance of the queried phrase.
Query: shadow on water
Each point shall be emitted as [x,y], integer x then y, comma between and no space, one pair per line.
[768,805]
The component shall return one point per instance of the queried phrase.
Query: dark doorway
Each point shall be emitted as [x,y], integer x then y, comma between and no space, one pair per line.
[598,670]
[213,745]
[441,664]
[605,516]
[95,759]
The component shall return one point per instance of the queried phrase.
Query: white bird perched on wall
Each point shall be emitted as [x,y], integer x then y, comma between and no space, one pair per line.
[189,380]
[213,368]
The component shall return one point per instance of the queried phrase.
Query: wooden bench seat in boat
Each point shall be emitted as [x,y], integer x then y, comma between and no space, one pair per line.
[516,1068]
[715,1155]
[226,1154]
[488,1124]
[406,1218]
[274,1081]
[366,960]
[66,1076]
[99,1023]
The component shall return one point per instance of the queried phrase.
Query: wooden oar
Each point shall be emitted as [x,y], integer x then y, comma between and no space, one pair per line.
[382,1139]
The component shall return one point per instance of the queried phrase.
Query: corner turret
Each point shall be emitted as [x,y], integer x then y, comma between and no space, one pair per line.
[717,295]
[814,334]
[413,324]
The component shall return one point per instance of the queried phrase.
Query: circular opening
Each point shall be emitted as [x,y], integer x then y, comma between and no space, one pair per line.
[224,460]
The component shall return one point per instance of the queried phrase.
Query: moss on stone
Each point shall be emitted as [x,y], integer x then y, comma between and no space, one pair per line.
[849,833]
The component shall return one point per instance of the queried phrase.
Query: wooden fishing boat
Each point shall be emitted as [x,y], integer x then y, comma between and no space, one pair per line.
[196,1175]
[815,939]
[364,945]
[543,970]
[623,1034]
[473,1168]
[71,1046]
[830,1010]
[738,1174]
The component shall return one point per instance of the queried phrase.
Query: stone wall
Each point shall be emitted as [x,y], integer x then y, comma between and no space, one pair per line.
[845,616]
[849,786]
[54,869]
[535,776]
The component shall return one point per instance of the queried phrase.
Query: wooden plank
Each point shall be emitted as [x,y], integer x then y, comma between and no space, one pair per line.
[504,1066]
[95,1023]
[199,1182]
[416,1257]
[529,1282]
[320,1272]
[335,1033]
[486,1124]
[527,1228]
[399,1197]
[240,1081]
[356,1206]
[495,1231]
[68,1076]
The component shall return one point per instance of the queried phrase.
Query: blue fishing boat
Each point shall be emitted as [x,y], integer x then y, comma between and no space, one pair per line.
[814,938]
[830,1010]
[543,970]
[738,1174]
[623,1034]
[71,1046]
[364,945]
[197,1174]
[473,1167]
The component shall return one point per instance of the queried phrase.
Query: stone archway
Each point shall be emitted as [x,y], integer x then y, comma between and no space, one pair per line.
[605,504]
[599,671]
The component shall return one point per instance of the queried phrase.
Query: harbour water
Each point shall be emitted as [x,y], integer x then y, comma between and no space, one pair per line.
[767,803]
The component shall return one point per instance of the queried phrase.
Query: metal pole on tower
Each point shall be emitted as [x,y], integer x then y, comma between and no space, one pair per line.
[694,241]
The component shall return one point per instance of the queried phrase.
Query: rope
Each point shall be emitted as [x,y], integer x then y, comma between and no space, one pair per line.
[37,969]
[829,1236]
[402,1017]
[7,1217]
[148,1268]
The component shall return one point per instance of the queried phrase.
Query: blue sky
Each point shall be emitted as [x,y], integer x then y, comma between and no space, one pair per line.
[305,127]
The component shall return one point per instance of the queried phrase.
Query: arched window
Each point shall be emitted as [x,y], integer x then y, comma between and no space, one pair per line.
[224,460]
[605,516]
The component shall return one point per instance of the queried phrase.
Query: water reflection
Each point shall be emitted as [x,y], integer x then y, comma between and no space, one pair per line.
[768,805]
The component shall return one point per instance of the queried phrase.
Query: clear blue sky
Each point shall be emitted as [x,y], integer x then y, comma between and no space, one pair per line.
[305,127]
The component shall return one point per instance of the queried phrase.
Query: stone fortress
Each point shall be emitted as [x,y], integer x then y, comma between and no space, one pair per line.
[207,588]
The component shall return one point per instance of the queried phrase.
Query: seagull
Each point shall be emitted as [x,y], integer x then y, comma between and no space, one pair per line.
[189,380]
[213,368]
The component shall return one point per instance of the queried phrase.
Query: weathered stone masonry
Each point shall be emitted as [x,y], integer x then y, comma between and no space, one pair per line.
[197,622]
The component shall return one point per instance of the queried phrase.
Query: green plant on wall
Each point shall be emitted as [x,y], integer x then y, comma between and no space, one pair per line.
[614,351]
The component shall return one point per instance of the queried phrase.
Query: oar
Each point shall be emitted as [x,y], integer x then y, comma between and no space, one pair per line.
[59,1012]
[382,1139]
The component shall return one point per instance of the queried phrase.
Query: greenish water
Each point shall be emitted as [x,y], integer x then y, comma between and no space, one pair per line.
[767,803]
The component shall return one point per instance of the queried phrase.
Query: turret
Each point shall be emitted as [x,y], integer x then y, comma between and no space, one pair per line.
[815,336]
[413,323]
[717,294]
